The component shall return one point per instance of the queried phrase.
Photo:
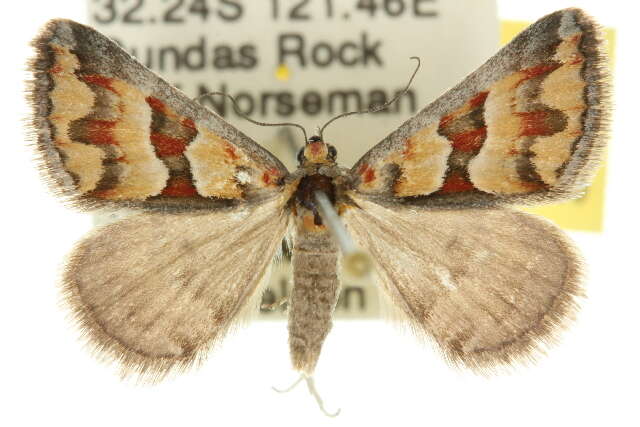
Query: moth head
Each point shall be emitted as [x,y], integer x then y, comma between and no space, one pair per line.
[317,151]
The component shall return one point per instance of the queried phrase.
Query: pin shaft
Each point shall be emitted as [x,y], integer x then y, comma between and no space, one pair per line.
[333,222]
[356,262]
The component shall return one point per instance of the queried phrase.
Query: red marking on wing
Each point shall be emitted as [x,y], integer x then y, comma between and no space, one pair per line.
[55,69]
[99,80]
[367,172]
[456,183]
[533,186]
[231,151]
[270,176]
[534,123]
[538,70]
[103,194]
[188,123]
[469,141]
[179,186]
[444,121]
[407,153]
[478,100]
[100,132]
[156,104]
[167,146]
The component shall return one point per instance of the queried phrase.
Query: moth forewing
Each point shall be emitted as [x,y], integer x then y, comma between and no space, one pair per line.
[111,133]
[529,126]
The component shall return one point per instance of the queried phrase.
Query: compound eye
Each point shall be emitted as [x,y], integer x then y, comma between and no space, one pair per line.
[332,152]
[300,155]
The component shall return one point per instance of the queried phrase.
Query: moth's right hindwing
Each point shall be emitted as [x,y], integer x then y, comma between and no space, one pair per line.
[113,133]
[488,285]
[526,127]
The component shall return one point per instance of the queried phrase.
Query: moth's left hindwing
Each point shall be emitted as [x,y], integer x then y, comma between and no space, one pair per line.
[111,132]
[526,127]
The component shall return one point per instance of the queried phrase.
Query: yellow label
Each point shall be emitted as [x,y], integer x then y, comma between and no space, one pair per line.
[586,212]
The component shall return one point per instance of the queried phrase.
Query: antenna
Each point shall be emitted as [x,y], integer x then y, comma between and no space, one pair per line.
[244,116]
[375,108]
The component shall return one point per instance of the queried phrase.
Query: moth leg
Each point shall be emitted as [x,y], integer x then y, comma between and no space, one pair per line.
[291,387]
[312,389]
[311,386]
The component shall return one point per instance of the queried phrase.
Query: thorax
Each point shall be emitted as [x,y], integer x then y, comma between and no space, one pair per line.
[328,179]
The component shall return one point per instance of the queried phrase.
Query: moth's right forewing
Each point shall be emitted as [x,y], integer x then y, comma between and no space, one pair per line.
[155,291]
[487,285]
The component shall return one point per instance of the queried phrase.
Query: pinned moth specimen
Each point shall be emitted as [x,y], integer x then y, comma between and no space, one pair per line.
[431,203]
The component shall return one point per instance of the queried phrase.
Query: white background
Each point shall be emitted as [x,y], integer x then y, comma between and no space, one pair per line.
[377,375]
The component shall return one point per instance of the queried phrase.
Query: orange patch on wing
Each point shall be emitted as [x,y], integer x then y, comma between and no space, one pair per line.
[469,141]
[271,176]
[179,187]
[534,123]
[423,163]
[156,104]
[367,173]
[100,132]
[479,99]
[445,120]
[231,152]
[538,70]
[187,122]
[219,167]
[102,81]
[456,183]
[167,146]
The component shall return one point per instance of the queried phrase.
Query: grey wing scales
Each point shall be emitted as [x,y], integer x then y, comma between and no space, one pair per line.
[489,286]
[154,292]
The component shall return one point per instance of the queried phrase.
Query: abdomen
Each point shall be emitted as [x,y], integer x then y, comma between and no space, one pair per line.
[315,292]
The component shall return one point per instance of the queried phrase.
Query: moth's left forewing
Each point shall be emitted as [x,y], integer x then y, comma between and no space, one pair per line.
[111,132]
[527,127]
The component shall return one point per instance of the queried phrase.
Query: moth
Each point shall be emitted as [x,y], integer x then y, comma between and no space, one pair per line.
[432,204]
